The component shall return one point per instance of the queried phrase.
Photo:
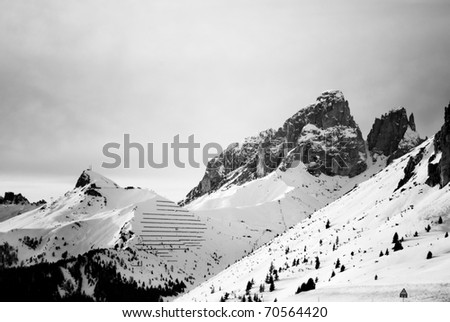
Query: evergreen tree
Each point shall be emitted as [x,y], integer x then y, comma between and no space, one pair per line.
[271,268]
[249,287]
[342,268]
[317,263]
[262,288]
[429,255]
[440,221]
[398,246]
[272,286]
[333,274]
[376,277]
[416,234]
[328,224]
[446,235]
[387,252]
[381,254]
[395,238]
[338,263]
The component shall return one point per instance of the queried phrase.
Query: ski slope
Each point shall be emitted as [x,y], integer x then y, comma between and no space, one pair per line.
[362,225]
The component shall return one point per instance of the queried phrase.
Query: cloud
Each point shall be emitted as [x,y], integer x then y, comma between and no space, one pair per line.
[76,75]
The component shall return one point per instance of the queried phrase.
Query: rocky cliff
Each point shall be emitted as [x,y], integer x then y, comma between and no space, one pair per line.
[323,136]
[393,135]
[14,199]
[439,163]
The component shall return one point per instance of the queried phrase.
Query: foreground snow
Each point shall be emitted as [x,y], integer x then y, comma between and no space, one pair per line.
[363,223]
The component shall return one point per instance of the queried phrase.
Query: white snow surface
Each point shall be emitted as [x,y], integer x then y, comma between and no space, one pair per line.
[363,223]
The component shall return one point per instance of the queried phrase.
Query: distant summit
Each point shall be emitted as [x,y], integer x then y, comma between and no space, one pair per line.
[324,136]
[394,134]
[96,180]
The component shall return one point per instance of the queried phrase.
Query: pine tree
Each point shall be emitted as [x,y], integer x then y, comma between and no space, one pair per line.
[338,263]
[387,252]
[328,224]
[381,254]
[398,246]
[446,235]
[376,277]
[317,263]
[429,255]
[440,221]
[333,274]
[272,286]
[416,234]
[249,287]
[276,275]
[342,268]
[395,238]
[271,268]
[262,288]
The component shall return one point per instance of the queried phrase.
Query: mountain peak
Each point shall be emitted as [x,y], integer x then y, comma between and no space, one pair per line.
[333,95]
[323,135]
[394,134]
[89,177]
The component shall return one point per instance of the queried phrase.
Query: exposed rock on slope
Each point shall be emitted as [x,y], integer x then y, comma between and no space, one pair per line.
[439,163]
[394,134]
[324,136]
[13,199]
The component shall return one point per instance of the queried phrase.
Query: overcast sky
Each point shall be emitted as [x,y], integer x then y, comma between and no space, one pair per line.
[75,75]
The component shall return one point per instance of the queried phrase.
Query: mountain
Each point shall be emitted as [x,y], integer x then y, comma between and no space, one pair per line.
[388,233]
[393,135]
[143,237]
[154,249]
[100,226]
[13,204]
[324,136]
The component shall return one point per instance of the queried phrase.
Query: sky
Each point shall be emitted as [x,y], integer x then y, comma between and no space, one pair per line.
[75,75]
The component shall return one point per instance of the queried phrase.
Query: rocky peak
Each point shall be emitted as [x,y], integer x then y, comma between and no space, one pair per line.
[96,180]
[439,163]
[14,199]
[330,109]
[394,134]
[323,135]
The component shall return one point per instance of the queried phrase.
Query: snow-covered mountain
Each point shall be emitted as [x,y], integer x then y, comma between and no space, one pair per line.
[324,136]
[388,233]
[250,194]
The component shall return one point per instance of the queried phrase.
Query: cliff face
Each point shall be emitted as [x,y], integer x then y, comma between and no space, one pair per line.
[323,136]
[439,163]
[14,199]
[393,135]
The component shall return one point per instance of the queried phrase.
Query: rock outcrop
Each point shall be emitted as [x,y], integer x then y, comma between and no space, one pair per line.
[393,135]
[323,136]
[14,199]
[439,163]
[10,198]
[89,177]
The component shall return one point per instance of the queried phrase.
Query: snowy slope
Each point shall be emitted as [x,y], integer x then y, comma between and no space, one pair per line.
[362,225]
[190,244]
[101,215]
[9,211]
